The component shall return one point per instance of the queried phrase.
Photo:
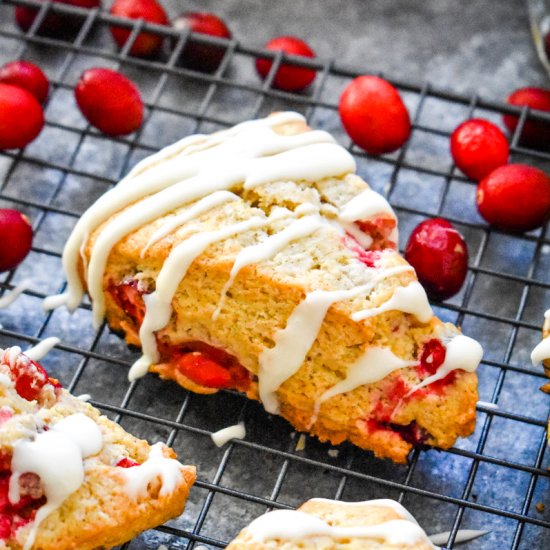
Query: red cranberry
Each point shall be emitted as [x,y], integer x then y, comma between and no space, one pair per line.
[21,117]
[432,357]
[53,23]
[110,101]
[478,147]
[374,115]
[126,463]
[28,76]
[535,133]
[515,197]
[202,370]
[439,254]
[130,299]
[202,57]
[146,44]
[15,238]
[288,77]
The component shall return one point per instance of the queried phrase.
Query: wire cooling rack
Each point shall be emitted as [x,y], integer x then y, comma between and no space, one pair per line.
[496,480]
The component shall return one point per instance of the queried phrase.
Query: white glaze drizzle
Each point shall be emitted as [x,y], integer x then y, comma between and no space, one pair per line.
[376,363]
[462,535]
[9,297]
[226,159]
[365,206]
[41,349]
[200,207]
[408,299]
[462,353]
[291,525]
[279,363]
[268,249]
[221,437]
[541,352]
[56,456]
[159,303]
[157,465]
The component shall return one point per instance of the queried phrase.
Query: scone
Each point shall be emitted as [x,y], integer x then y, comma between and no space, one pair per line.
[256,259]
[321,524]
[70,478]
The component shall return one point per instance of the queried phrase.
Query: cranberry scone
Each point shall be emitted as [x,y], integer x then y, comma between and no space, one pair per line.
[256,259]
[335,525]
[71,478]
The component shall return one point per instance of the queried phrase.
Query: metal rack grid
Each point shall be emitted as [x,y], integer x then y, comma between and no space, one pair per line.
[493,480]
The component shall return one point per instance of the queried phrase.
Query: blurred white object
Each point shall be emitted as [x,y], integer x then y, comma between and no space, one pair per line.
[539,20]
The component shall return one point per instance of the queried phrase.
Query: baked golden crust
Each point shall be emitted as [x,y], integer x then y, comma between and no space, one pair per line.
[264,295]
[336,514]
[100,513]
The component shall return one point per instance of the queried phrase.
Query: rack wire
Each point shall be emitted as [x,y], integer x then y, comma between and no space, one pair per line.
[496,480]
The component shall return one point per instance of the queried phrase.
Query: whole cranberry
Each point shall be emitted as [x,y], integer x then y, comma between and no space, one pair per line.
[15,238]
[515,198]
[110,101]
[288,77]
[439,254]
[53,23]
[202,57]
[21,117]
[374,115]
[146,44]
[535,134]
[26,75]
[478,147]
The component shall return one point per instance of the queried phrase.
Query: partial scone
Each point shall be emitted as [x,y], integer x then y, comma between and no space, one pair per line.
[541,353]
[321,524]
[69,477]
[255,259]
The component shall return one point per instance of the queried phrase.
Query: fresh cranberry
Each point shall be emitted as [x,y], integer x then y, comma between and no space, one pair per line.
[110,101]
[53,23]
[28,76]
[21,117]
[126,463]
[374,115]
[515,198]
[534,133]
[15,238]
[478,147]
[202,57]
[202,370]
[146,44]
[288,77]
[432,357]
[439,254]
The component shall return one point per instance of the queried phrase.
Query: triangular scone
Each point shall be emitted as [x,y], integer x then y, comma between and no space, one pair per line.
[71,478]
[256,259]
[334,525]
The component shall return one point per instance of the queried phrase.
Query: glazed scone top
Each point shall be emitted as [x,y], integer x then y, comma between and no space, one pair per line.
[323,523]
[204,173]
